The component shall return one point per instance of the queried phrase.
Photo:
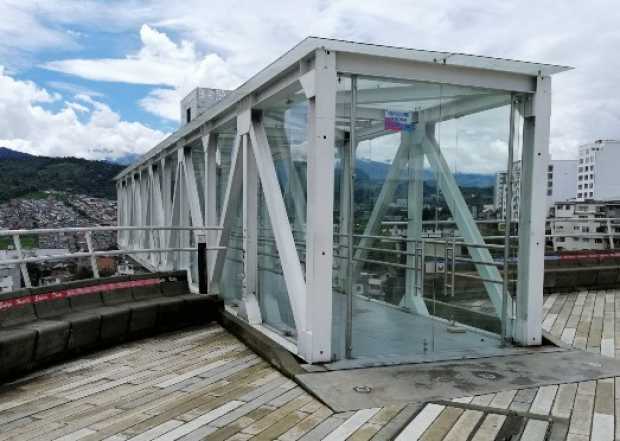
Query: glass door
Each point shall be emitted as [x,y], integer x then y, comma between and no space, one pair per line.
[413,276]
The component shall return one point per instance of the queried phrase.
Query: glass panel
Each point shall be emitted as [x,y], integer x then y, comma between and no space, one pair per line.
[225,143]
[425,166]
[341,202]
[274,302]
[232,273]
[198,163]
[230,283]
[286,126]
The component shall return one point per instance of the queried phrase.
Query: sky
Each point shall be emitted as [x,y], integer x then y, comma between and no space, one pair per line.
[103,79]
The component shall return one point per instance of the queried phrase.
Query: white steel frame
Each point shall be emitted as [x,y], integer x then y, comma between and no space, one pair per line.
[162,188]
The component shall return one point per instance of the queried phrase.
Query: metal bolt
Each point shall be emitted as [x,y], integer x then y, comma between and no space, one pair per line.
[362,389]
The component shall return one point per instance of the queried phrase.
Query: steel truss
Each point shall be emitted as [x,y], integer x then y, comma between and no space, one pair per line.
[175,183]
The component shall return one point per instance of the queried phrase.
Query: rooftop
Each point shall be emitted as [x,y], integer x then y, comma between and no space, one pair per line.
[206,383]
[291,58]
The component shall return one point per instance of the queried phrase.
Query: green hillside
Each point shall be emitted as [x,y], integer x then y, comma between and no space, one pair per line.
[21,174]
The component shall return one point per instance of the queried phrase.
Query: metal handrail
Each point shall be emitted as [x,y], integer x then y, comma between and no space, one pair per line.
[104,228]
[91,253]
[501,221]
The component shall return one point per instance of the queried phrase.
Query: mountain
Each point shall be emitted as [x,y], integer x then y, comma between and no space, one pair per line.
[374,170]
[6,153]
[21,173]
[126,159]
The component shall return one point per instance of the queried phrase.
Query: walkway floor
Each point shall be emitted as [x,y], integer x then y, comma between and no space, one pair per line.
[205,384]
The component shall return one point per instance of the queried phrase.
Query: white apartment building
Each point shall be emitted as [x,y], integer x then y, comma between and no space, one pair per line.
[597,171]
[561,186]
[585,220]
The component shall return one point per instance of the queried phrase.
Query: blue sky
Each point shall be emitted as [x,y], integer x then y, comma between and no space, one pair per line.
[102,79]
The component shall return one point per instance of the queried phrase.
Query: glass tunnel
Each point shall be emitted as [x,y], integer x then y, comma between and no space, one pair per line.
[351,187]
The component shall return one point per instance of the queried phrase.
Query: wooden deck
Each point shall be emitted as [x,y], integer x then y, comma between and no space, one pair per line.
[205,384]
[574,412]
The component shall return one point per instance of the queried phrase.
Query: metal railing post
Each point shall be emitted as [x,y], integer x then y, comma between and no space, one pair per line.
[351,210]
[445,269]
[508,220]
[91,251]
[453,265]
[203,269]
[20,255]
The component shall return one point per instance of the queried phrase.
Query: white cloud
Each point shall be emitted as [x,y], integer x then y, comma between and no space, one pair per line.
[231,40]
[73,89]
[27,124]
[160,62]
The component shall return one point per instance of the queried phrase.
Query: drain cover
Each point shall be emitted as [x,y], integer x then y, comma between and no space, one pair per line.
[362,389]
[486,375]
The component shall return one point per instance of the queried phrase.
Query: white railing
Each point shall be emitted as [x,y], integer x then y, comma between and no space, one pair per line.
[161,251]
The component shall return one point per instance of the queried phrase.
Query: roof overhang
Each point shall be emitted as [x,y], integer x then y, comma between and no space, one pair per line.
[291,59]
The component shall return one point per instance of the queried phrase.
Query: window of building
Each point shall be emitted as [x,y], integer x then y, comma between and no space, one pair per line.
[188,115]
[578,195]
[591,194]
[549,192]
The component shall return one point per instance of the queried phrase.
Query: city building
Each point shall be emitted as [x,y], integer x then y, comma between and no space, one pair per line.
[589,225]
[198,101]
[597,171]
[561,185]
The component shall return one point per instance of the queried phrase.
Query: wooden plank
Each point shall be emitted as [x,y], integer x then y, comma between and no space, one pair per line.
[420,423]
[352,424]
[389,431]
[523,400]
[157,431]
[233,429]
[581,421]
[200,421]
[305,425]
[562,319]
[535,430]
[273,417]
[563,405]
[544,400]
[193,373]
[254,404]
[80,434]
[442,425]
[602,427]
[483,400]
[327,426]
[604,398]
[464,426]
[490,427]
[503,399]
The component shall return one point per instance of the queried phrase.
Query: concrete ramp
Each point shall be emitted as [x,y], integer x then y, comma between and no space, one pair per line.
[377,387]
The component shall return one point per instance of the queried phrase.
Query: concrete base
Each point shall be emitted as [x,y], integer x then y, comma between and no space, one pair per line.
[447,380]
[275,354]
[389,335]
